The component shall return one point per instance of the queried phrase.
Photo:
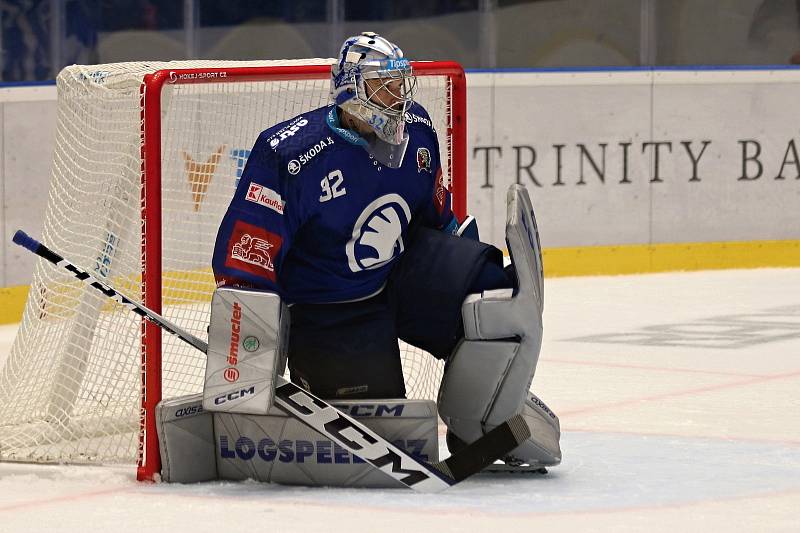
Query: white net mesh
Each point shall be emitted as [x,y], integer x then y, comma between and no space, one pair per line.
[70,390]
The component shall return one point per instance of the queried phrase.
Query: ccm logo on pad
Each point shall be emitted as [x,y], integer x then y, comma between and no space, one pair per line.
[234,395]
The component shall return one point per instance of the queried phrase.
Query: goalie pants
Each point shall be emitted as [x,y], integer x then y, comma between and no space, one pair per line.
[350,349]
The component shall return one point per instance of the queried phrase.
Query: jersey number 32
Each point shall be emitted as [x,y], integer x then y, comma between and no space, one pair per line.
[332,186]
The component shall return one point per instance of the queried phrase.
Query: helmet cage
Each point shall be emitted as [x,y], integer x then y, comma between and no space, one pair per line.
[370,94]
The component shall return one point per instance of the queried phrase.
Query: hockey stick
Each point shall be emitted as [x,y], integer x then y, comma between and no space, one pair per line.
[319,415]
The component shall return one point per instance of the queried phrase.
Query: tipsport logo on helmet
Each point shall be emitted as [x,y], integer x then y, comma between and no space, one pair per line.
[377,234]
[396,64]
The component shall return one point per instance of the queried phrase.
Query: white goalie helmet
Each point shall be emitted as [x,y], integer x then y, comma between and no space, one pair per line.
[381,104]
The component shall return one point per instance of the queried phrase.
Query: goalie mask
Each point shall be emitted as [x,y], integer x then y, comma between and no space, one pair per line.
[373,82]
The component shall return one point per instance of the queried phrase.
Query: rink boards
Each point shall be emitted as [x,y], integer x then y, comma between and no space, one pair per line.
[629,170]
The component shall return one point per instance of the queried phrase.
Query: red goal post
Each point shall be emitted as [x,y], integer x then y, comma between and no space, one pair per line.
[149,464]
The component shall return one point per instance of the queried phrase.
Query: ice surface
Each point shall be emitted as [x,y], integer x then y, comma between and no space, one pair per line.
[679,399]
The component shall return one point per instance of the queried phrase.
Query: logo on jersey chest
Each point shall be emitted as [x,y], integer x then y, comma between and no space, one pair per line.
[423,159]
[377,234]
[295,165]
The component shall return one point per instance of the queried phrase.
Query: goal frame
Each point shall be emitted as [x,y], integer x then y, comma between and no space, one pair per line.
[149,459]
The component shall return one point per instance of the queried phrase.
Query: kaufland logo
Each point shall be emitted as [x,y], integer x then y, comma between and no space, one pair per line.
[265,196]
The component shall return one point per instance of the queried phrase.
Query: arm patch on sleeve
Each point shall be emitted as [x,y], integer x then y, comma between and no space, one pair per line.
[251,249]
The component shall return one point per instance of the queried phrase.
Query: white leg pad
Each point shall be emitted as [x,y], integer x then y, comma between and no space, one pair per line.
[489,375]
[199,445]
[543,448]
[472,398]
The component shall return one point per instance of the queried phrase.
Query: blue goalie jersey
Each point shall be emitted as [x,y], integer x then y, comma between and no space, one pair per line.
[317,219]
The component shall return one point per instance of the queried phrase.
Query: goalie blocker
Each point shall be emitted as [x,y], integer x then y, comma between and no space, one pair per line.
[246,350]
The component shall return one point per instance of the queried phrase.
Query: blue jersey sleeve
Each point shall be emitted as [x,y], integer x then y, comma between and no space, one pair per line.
[442,203]
[256,232]
[439,212]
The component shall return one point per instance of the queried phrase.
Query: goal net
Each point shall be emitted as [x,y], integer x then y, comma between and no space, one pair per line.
[147,158]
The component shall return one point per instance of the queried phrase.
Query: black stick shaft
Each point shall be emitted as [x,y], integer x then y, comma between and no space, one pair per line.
[21,238]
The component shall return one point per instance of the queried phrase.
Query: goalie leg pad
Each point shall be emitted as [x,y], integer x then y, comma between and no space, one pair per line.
[468,396]
[186,440]
[198,445]
[246,350]
[486,383]
[280,449]
[543,448]
[489,374]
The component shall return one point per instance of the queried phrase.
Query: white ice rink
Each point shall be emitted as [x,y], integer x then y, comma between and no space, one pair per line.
[679,400]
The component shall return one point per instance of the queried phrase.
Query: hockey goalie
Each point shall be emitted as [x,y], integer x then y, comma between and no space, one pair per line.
[341,239]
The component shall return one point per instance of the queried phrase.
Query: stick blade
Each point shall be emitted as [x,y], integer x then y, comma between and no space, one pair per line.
[486,450]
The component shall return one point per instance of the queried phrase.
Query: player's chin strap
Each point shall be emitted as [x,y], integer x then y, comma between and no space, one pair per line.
[489,374]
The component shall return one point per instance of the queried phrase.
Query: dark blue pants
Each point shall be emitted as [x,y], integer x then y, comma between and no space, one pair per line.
[349,350]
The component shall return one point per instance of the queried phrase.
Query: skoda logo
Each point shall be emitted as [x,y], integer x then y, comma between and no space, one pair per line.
[250,344]
[377,234]
[294,167]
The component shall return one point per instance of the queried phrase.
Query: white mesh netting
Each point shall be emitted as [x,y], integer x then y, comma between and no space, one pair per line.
[70,390]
